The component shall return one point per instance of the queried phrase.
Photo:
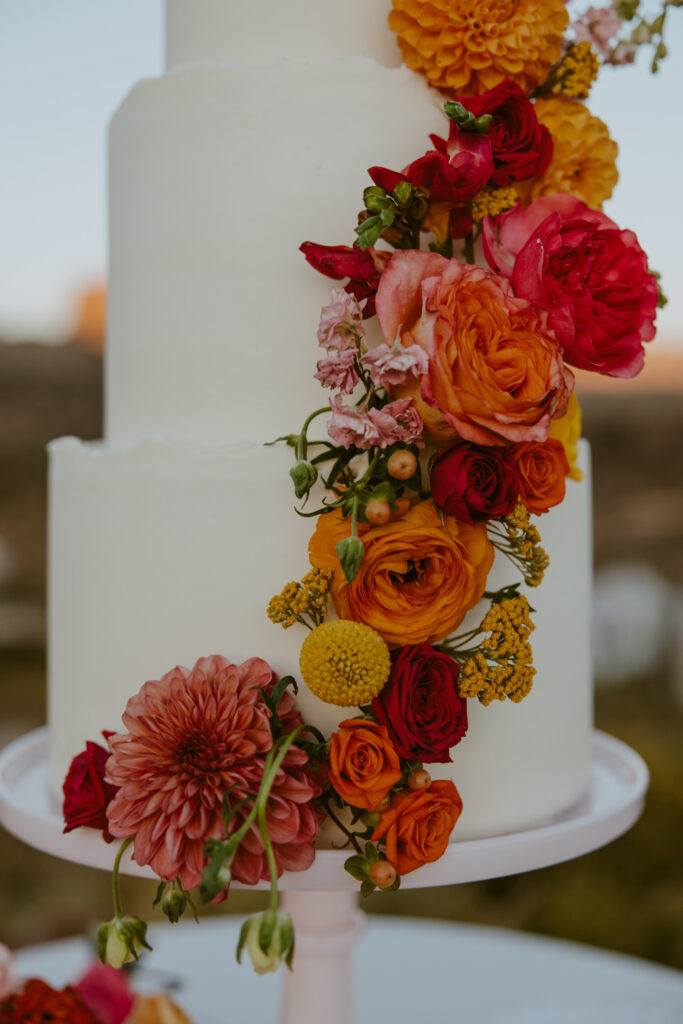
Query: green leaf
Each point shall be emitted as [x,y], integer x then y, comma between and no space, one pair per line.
[367,887]
[355,866]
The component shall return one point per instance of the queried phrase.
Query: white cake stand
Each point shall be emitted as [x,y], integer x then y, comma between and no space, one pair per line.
[322,900]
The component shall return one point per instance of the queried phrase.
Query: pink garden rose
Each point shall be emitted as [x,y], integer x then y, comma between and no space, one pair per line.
[495,373]
[590,277]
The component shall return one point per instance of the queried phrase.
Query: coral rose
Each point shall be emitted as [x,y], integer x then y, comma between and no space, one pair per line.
[592,279]
[522,148]
[363,763]
[418,825]
[421,706]
[470,47]
[540,471]
[584,156]
[473,482]
[495,372]
[418,576]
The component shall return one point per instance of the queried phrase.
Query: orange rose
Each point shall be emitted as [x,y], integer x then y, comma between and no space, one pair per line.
[418,825]
[363,763]
[495,373]
[418,577]
[540,471]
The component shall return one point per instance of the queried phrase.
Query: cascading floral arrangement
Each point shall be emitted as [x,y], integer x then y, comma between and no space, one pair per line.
[488,269]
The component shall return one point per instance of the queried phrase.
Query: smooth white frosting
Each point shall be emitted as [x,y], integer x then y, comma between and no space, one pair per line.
[217,31]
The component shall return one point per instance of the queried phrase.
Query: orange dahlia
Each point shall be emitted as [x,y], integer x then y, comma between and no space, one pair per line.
[470,46]
[584,155]
[418,577]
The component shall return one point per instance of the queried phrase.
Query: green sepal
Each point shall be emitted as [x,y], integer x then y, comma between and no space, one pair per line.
[367,887]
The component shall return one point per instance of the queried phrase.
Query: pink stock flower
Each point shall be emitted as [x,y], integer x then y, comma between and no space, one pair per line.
[392,366]
[623,53]
[339,371]
[590,277]
[194,736]
[597,26]
[341,321]
[9,980]
[375,428]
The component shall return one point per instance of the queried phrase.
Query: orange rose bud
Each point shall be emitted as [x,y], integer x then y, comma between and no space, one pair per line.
[363,763]
[540,471]
[419,779]
[418,577]
[378,512]
[401,464]
[417,827]
[383,874]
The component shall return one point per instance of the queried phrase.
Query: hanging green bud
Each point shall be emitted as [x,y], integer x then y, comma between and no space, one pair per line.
[121,940]
[350,554]
[304,474]
[269,940]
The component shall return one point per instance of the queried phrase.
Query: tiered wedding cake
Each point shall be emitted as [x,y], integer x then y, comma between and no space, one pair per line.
[168,537]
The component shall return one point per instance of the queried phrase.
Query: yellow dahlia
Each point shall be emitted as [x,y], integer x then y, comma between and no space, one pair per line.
[470,46]
[344,663]
[584,155]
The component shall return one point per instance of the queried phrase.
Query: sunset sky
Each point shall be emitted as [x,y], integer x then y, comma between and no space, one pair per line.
[64,67]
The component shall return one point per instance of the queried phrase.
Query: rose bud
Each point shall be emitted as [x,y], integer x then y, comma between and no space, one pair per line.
[401,464]
[304,475]
[382,874]
[419,779]
[269,940]
[350,554]
[121,940]
[378,512]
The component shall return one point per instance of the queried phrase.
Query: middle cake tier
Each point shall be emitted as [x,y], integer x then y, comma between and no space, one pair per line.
[161,553]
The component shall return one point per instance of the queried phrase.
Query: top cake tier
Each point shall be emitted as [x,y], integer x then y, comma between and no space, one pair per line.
[216,31]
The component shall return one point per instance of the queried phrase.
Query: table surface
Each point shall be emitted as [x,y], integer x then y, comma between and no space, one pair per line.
[407,971]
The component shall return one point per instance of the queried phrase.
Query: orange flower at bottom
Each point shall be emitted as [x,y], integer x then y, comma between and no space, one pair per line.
[363,763]
[418,825]
[156,1010]
[540,470]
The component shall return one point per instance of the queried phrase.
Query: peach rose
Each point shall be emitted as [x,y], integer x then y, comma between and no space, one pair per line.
[363,763]
[495,373]
[540,471]
[418,577]
[418,825]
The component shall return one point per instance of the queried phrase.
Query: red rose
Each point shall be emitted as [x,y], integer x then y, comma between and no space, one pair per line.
[421,706]
[363,266]
[474,483]
[590,277]
[37,1002]
[86,794]
[522,148]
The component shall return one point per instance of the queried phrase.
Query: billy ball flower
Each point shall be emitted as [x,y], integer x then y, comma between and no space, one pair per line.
[345,663]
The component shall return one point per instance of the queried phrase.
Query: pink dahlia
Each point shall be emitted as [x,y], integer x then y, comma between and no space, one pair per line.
[194,736]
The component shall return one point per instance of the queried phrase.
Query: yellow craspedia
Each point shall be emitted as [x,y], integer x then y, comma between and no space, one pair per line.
[567,430]
[344,662]
[584,155]
[469,47]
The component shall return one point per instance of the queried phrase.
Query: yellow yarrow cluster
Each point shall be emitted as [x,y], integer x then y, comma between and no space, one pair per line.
[584,155]
[301,602]
[345,663]
[576,72]
[492,200]
[521,542]
[503,667]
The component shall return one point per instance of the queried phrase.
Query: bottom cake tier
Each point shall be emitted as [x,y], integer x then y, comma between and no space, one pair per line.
[161,553]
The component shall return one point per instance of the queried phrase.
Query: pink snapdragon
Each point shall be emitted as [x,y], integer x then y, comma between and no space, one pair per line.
[597,26]
[341,321]
[392,366]
[339,371]
[360,427]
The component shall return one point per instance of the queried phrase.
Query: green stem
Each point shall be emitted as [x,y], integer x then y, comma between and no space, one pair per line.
[302,441]
[118,912]
[469,248]
[272,866]
[370,470]
[342,828]
[354,518]
[261,803]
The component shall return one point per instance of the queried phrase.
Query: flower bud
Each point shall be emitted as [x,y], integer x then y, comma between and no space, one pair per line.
[304,475]
[376,199]
[350,554]
[121,940]
[371,818]
[269,940]
[402,193]
[174,904]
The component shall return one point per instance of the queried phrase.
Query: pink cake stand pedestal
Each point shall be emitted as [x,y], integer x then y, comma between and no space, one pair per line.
[323,900]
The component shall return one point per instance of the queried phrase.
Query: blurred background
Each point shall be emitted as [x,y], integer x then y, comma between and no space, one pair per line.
[63,69]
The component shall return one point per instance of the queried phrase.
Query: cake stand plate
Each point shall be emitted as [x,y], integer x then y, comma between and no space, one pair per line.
[322,899]
[618,781]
